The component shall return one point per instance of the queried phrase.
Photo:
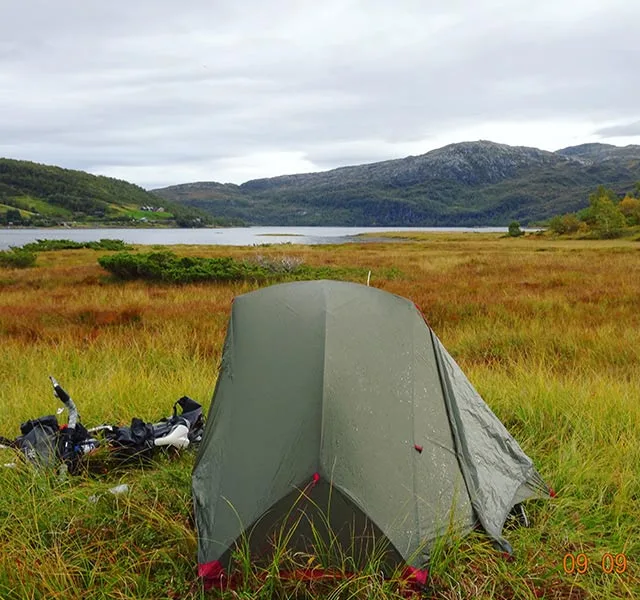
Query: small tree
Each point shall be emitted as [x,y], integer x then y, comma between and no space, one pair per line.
[514,229]
[608,220]
[14,216]
[630,208]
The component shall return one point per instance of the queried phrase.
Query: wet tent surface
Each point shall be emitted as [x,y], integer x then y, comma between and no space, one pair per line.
[348,382]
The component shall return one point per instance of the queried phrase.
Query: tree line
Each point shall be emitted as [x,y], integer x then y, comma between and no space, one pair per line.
[607,216]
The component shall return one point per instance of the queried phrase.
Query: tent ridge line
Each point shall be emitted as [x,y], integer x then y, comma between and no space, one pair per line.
[324,374]
[453,424]
[417,447]
[462,450]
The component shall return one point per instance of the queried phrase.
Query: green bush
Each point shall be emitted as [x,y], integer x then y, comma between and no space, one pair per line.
[107,244]
[103,244]
[514,229]
[168,267]
[569,223]
[17,258]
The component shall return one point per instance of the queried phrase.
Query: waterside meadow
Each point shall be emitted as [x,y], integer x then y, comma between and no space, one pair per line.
[546,330]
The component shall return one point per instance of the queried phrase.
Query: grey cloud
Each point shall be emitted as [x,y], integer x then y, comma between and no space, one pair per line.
[149,84]
[626,130]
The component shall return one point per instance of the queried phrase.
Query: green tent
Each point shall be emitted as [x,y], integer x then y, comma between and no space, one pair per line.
[337,408]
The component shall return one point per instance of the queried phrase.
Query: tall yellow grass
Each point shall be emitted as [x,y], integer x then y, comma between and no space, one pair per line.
[548,331]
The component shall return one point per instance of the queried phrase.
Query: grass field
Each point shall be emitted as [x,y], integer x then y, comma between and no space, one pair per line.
[546,330]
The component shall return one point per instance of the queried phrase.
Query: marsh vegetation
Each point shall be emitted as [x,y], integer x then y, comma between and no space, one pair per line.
[547,330]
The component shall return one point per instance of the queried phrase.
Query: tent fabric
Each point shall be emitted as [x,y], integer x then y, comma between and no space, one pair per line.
[480,435]
[348,383]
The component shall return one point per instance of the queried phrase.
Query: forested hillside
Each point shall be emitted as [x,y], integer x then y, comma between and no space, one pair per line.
[43,195]
[467,184]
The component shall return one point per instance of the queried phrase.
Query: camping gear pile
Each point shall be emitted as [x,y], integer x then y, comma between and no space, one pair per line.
[44,442]
[338,414]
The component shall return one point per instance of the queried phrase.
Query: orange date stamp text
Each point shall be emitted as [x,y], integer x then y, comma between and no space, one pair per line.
[579,564]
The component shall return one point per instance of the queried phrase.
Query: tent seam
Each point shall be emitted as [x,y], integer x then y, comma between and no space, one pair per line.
[462,450]
[324,374]
[453,424]
[414,458]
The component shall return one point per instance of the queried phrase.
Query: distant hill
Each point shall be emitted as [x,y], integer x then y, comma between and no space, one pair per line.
[43,195]
[594,153]
[466,184]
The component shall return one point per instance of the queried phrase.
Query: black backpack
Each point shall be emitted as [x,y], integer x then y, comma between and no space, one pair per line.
[39,440]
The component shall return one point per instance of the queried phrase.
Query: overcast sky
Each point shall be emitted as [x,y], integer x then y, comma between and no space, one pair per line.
[160,92]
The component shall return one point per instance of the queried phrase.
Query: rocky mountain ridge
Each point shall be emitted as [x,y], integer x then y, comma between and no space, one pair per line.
[465,184]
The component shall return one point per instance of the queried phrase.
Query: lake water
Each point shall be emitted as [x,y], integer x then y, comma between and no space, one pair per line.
[232,236]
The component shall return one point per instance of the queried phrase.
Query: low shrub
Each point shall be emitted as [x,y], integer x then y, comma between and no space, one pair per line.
[107,244]
[563,224]
[17,258]
[168,267]
[103,244]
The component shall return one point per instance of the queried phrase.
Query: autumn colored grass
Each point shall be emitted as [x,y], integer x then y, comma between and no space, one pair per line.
[547,330]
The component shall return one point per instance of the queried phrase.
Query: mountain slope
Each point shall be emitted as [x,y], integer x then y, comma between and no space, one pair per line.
[595,153]
[36,194]
[467,184]
[468,162]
